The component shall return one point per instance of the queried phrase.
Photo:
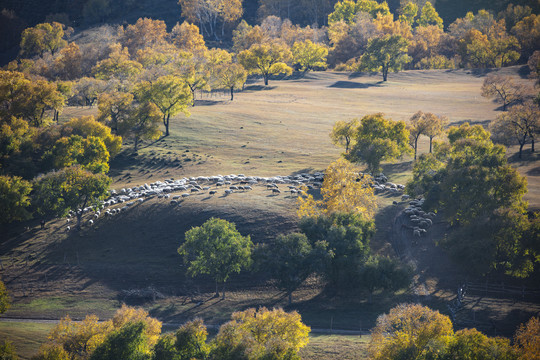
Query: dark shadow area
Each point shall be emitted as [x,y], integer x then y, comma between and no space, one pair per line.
[481,72]
[258,88]
[524,72]
[209,102]
[303,171]
[526,157]
[352,85]
[394,168]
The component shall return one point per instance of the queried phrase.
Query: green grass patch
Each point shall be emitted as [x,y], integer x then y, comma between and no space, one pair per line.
[27,337]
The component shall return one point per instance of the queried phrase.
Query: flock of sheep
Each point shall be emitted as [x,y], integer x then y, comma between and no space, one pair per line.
[177,190]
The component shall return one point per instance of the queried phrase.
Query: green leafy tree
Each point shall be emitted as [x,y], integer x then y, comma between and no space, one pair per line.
[129,342]
[194,70]
[142,124]
[408,332]
[41,38]
[384,273]
[261,334]
[347,236]
[14,199]
[117,66]
[429,16]
[291,259]
[86,126]
[344,132]
[230,76]
[379,139]
[91,153]
[266,59]
[309,56]
[169,93]
[216,248]
[408,13]
[346,10]
[69,189]
[191,341]
[385,54]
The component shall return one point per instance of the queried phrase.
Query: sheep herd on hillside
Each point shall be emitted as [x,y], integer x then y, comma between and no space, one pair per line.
[174,191]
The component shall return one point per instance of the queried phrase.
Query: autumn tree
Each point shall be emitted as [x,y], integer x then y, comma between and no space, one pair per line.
[144,33]
[408,13]
[118,65]
[187,37]
[427,124]
[69,189]
[346,10]
[194,70]
[518,125]
[471,343]
[245,35]
[502,88]
[169,93]
[87,90]
[212,15]
[344,132]
[261,334]
[408,331]
[217,249]
[86,126]
[379,139]
[114,109]
[5,301]
[41,38]
[14,200]
[309,56]
[385,54]
[266,60]
[527,31]
[230,76]
[68,65]
[527,340]
[142,123]
[7,351]
[534,66]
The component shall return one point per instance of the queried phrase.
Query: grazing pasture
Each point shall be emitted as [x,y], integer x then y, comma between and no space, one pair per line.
[281,129]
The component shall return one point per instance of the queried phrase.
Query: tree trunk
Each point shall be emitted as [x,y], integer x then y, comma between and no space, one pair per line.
[265,79]
[532,144]
[79,218]
[223,292]
[430,143]
[415,147]
[136,143]
[385,74]
[290,298]
[217,291]
[520,149]
[166,123]
[232,93]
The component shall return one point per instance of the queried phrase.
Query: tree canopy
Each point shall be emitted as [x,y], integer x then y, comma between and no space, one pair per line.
[217,249]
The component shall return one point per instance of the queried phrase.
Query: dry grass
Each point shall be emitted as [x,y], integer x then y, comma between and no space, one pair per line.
[26,336]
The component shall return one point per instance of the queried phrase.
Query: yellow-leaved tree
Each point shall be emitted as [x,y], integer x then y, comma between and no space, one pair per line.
[343,190]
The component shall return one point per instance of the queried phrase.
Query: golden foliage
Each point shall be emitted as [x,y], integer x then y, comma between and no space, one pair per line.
[527,340]
[127,314]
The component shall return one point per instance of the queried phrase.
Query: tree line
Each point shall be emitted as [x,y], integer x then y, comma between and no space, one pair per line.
[407,331]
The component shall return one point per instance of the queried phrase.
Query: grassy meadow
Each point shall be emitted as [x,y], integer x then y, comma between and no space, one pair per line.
[281,129]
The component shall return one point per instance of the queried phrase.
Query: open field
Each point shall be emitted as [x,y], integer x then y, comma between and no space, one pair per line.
[279,130]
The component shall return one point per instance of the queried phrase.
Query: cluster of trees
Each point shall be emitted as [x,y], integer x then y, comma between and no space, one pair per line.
[468,180]
[416,332]
[519,123]
[374,138]
[333,242]
[132,334]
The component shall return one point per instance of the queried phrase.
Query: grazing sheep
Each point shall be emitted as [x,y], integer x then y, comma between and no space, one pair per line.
[90,222]
[212,192]
[276,191]
[247,187]
[228,191]
[174,202]
[195,190]
[405,197]
[68,228]
[184,195]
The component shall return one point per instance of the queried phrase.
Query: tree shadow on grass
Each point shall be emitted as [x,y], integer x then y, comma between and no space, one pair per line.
[252,88]
[209,102]
[396,168]
[484,123]
[353,85]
